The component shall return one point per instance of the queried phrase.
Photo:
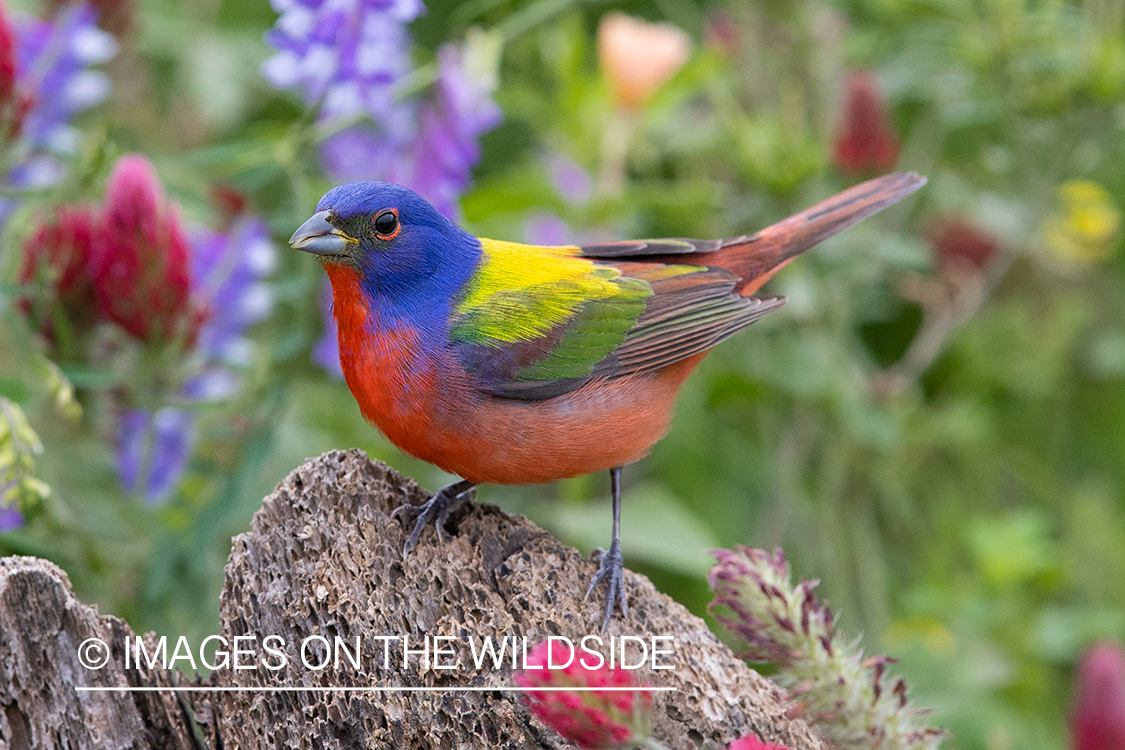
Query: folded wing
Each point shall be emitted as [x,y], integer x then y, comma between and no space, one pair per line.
[538,322]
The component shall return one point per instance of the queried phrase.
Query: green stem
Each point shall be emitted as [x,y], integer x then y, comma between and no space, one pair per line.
[615,148]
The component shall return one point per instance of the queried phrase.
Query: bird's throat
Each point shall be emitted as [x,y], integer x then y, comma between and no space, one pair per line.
[383,358]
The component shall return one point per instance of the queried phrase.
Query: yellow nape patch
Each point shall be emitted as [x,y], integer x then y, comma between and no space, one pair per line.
[520,292]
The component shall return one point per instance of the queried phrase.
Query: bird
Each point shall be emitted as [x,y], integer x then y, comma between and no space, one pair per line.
[508,363]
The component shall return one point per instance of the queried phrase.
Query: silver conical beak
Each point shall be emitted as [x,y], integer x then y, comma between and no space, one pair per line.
[319,237]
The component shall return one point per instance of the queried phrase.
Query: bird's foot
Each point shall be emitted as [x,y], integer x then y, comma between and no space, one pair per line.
[436,511]
[611,570]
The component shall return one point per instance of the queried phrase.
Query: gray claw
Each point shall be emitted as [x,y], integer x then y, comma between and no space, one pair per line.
[436,510]
[611,569]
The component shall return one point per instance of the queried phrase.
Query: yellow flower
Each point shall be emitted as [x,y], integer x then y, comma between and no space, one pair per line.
[637,57]
[1086,226]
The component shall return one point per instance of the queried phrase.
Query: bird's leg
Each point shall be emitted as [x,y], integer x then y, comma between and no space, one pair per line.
[611,563]
[436,510]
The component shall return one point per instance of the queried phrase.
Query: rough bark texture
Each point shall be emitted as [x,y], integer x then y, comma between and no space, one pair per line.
[42,627]
[323,558]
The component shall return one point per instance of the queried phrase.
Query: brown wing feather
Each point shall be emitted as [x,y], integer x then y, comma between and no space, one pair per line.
[687,314]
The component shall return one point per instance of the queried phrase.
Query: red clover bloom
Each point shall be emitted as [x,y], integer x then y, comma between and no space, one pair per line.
[1097,716]
[141,258]
[130,263]
[592,719]
[842,692]
[751,742]
[959,243]
[864,139]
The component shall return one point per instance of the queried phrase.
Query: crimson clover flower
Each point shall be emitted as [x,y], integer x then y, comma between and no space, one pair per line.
[1097,716]
[131,263]
[864,140]
[140,259]
[15,98]
[958,244]
[228,269]
[57,255]
[841,691]
[593,719]
[751,742]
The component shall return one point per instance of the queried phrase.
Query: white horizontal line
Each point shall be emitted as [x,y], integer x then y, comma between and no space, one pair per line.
[360,689]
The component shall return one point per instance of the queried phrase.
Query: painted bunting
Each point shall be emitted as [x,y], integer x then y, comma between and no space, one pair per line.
[519,364]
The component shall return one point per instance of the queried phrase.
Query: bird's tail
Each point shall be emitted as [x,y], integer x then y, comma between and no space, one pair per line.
[757,257]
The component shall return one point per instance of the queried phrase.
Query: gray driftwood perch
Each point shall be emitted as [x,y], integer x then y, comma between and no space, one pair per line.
[323,558]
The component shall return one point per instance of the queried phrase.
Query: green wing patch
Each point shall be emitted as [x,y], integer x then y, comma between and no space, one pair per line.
[537,322]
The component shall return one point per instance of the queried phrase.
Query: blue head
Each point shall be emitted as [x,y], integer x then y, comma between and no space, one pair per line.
[411,260]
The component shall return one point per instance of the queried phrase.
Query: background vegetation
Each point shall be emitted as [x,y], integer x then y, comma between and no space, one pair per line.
[932,426]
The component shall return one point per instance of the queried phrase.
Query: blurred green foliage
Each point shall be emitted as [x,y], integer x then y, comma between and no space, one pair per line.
[941,444]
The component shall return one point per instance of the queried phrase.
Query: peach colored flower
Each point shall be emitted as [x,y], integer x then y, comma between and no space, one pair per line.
[638,57]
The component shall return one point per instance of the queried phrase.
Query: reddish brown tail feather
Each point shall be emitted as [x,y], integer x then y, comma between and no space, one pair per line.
[758,256]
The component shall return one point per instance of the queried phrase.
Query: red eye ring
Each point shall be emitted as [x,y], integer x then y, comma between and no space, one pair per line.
[388,217]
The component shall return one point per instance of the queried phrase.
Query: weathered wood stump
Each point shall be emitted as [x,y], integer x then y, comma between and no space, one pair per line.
[322,566]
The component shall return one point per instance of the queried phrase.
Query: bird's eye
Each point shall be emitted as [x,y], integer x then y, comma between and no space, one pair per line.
[386,224]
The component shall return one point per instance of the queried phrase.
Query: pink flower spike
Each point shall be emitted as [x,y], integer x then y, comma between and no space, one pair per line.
[593,719]
[1097,716]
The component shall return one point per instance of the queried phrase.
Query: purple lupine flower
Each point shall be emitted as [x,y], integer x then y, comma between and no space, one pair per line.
[55,56]
[547,229]
[326,351]
[153,450]
[570,181]
[52,60]
[440,161]
[10,519]
[347,57]
[227,270]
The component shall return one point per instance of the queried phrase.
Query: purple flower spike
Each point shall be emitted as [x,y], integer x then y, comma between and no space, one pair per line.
[326,351]
[10,519]
[55,55]
[347,57]
[440,162]
[547,229]
[569,180]
[52,65]
[228,270]
[153,450]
